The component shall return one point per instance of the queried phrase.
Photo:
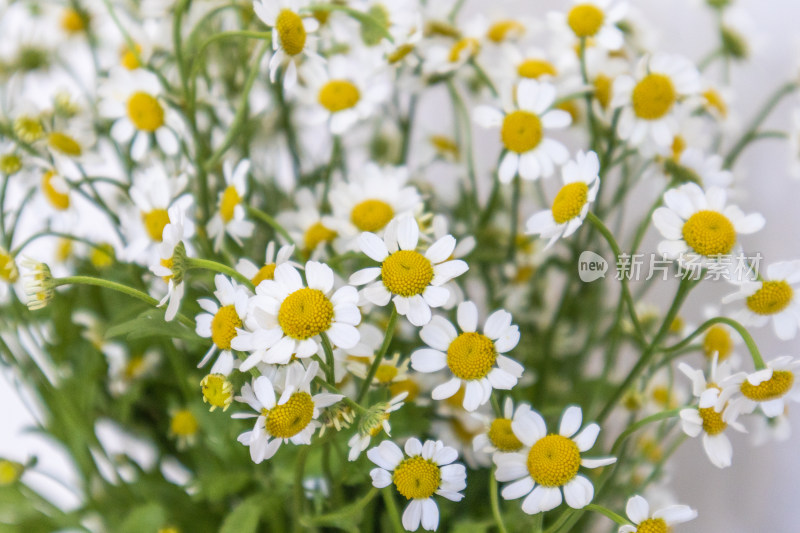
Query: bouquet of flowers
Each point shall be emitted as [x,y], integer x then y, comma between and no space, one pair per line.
[375,265]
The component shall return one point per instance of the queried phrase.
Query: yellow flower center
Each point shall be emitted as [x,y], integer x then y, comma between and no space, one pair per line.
[317,234]
[305,313]
[287,420]
[715,101]
[406,273]
[8,269]
[444,145]
[536,68]
[57,198]
[227,205]
[135,367]
[371,215]
[653,525]
[677,325]
[677,148]
[400,53]
[585,20]
[709,233]
[145,112]
[653,97]
[553,461]
[154,223]
[417,478]
[217,391]
[9,472]
[28,129]
[773,297]
[471,356]
[183,423]
[385,374]
[291,32]
[10,164]
[718,340]
[502,437]
[521,131]
[602,90]
[569,201]
[102,256]
[64,144]
[128,57]
[501,30]
[712,421]
[772,389]
[265,272]
[64,250]
[72,21]
[408,386]
[662,396]
[223,326]
[338,95]
[468,45]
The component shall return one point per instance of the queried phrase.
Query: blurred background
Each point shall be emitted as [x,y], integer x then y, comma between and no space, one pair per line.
[760,492]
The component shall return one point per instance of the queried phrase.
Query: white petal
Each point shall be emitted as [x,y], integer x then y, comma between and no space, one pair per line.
[586,438]
[637,509]
[446,389]
[468,316]
[373,246]
[570,421]
[518,489]
[427,360]
[430,514]
[579,492]
[412,515]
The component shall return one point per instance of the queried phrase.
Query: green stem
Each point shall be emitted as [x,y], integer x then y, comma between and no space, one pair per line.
[271,222]
[608,514]
[588,97]
[391,507]
[640,424]
[379,356]
[484,77]
[758,361]
[261,35]
[206,264]
[332,388]
[516,197]
[299,492]
[16,251]
[495,503]
[326,346]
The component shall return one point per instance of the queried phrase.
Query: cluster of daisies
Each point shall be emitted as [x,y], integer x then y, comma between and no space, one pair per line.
[287,192]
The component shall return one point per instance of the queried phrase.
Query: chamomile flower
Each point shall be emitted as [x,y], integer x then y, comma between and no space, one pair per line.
[498,435]
[443,59]
[571,204]
[290,39]
[474,359]
[768,388]
[369,201]
[290,417]
[424,470]
[695,166]
[698,224]
[184,427]
[258,274]
[230,217]
[771,298]
[172,259]
[409,278]
[595,20]
[134,100]
[638,511]
[528,152]
[649,100]
[9,274]
[548,464]
[305,225]
[372,423]
[221,322]
[389,371]
[288,316]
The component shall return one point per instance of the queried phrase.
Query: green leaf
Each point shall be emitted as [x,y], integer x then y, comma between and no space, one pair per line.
[151,323]
[148,517]
[244,518]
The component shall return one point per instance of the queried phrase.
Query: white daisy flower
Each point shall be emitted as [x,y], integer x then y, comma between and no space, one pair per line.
[287,316]
[221,322]
[474,359]
[257,274]
[571,204]
[305,225]
[171,259]
[771,297]
[440,59]
[638,510]
[292,417]
[528,152]
[376,421]
[498,436]
[412,280]
[134,100]
[290,39]
[768,388]
[548,464]
[596,20]
[424,470]
[706,171]
[369,201]
[648,101]
[230,217]
[697,224]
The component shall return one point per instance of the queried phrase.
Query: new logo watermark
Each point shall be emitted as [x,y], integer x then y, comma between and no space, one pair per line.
[591,266]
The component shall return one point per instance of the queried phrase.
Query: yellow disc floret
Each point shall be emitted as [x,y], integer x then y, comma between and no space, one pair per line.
[154,223]
[217,391]
[265,272]
[718,340]
[502,437]
[712,421]
[417,478]
[653,525]
[291,32]
[444,146]
[503,29]
[371,215]
[771,389]
[72,21]
[569,201]
[715,101]
[338,95]
[535,69]
[521,131]
[773,297]
[585,20]
[223,326]
[553,461]
[183,423]
[406,273]
[227,205]
[316,234]
[468,45]
[471,356]
[305,313]
[65,144]
[287,420]
[602,89]
[129,59]
[653,97]
[57,198]
[145,112]
[10,164]
[386,374]
[709,233]
[8,268]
